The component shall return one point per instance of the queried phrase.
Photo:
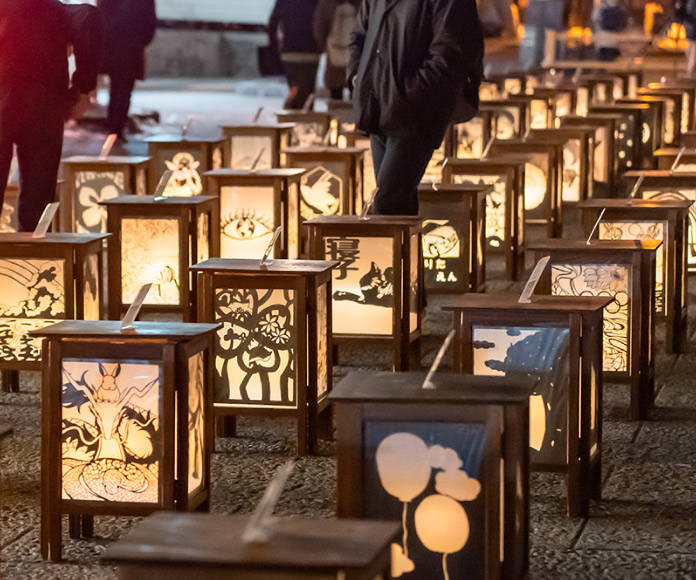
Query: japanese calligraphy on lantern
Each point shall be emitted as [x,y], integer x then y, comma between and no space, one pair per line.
[441,250]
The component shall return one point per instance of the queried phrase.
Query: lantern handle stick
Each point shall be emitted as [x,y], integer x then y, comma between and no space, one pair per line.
[636,188]
[531,284]
[677,159]
[134,309]
[269,249]
[185,128]
[327,137]
[46,218]
[427,384]
[257,116]
[594,229]
[162,185]
[307,107]
[256,531]
[108,144]
[369,204]
[487,148]
[257,159]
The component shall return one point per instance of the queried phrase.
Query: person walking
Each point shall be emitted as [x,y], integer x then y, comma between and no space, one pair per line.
[685,14]
[334,21]
[610,19]
[37,94]
[415,66]
[290,34]
[130,27]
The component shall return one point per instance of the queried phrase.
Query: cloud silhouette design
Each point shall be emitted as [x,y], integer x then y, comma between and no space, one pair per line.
[443,458]
[512,331]
[457,485]
[483,344]
[401,563]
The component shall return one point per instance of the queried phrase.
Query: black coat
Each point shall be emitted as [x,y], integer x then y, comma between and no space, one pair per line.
[130,26]
[417,65]
[35,36]
[290,27]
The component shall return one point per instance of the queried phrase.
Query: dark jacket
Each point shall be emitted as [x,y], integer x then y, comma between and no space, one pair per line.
[290,27]
[130,26]
[417,65]
[35,36]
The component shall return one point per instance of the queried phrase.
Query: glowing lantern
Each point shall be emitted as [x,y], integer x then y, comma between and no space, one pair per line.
[469,138]
[559,340]
[127,422]
[155,241]
[243,143]
[506,118]
[666,156]
[273,350]
[504,229]
[252,205]
[309,127]
[454,230]
[43,281]
[508,84]
[187,159]
[658,124]
[378,284]
[91,180]
[675,118]
[342,121]
[663,220]
[629,133]
[624,271]
[428,459]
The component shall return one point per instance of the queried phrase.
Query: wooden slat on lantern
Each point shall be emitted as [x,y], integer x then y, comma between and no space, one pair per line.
[559,339]
[666,156]
[243,144]
[542,180]
[252,205]
[378,284]
[209,547]
[452,457]
[624,270]
[126,422]
[505,118]
[674,118]
[91,180]
[187,158]
[606,162]
[333,183]
[278,362]
[8,214]
[663,184]
[560,101]
[688,90]
[42,281]
[157,239]
[309,127]
[629,133]
[665,220]
[654,126]
[578,159]
[504,204]
[454,237]
[509,84]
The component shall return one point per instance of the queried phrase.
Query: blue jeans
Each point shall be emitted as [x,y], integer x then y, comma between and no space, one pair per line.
[400,163]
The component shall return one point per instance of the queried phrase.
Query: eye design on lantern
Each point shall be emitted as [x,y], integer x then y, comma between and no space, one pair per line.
[185,181]
[245,225]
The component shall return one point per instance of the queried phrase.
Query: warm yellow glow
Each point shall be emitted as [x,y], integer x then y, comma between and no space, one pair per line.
[537,422]
[403,465]
[651,8]
[442,524]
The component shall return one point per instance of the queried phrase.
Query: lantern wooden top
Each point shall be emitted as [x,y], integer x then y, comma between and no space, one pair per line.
[328,150]
[622,106]
[66,239]
[545,92]
[516,101]
[301,113]
[388,387]
[474,301]
[110,329]
[278,267]
[637,203]
[152,200]
[370,220]
[110,160]
[655,175]
[261,126]
[504,161]
[596,245]
[177,538]
[277,173]
[562,133]
[179,139]
[674,151]
[594,117]
[452,189]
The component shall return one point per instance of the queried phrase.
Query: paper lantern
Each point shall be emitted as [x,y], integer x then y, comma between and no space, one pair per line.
[509,83]
[43,281]
[243,143]
[624,270]
[673,120]
[470,138]
[378,283]
[629,133]
[252,205]
[155,241]
[187,159]
[558,339]
[666,157]
[309,127]
[558,101]
[665,221]
[454,237]
[126,422]
[342,120]
[507,118]
[273,350]
[91,180]
[504,204]
[449,463]
[169,545]
[657,123]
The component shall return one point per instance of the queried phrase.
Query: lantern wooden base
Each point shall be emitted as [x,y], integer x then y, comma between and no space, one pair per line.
[211,547]
[559,332]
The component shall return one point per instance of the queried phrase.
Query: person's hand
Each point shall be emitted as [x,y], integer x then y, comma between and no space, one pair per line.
[79,107]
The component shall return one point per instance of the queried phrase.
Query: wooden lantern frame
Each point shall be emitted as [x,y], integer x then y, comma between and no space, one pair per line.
[489,111]
[633,116]
[299,118]
[279,135]
[676,97]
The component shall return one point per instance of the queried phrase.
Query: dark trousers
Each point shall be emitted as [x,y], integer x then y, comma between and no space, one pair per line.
[39,146]
[119,103]
[302,80]
[400,163]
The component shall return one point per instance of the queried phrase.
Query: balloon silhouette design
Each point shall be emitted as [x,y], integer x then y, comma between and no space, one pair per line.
[443,526]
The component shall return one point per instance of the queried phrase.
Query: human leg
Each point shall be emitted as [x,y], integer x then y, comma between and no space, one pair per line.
[119,103]
[5,162]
